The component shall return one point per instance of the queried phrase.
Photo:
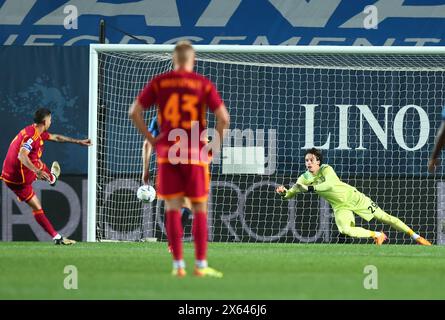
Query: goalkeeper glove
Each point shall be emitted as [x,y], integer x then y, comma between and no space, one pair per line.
[296,188]
[289,194]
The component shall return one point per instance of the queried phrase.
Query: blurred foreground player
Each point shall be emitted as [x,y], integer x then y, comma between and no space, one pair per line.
[182,97]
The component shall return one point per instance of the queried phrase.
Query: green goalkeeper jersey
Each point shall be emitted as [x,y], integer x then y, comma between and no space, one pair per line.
[327,184]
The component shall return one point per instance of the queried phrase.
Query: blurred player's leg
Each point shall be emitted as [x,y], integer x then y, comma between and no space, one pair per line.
[345,221]
[186,213]
[398,224]
[200,236]
[200,233]
[174,234]
[172,193]
[197,189]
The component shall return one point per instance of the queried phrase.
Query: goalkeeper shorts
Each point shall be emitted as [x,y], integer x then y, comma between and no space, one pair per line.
[363,207]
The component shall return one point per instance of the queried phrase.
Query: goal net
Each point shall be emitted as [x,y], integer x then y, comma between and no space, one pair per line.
[374,112]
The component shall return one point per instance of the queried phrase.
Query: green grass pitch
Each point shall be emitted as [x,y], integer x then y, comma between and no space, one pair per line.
[33,270]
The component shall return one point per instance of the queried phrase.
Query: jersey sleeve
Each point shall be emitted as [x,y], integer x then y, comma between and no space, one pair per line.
[28,143]
[330,179]
[213,100]
[294,190]
[45,136]
[149,95]
[29,139]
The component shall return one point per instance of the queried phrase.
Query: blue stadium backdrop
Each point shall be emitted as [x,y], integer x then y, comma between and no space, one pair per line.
[44,62]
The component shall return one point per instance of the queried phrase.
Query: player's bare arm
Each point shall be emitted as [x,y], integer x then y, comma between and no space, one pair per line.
[147,149]
[440,143]
[61,138]
[222,121]
[135,114]
[23,157]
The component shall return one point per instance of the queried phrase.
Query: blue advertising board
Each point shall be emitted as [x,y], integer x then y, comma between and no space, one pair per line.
[288,22]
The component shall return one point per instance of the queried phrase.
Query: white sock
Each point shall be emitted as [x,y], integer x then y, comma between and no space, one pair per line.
[57,237]
[415,236]
[377,234]
[178,264]
[201,264]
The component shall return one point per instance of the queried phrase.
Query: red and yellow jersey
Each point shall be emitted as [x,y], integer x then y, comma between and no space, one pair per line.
[13,169]
[182,99]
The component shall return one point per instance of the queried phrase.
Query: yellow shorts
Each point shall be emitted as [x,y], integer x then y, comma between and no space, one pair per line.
[364,207]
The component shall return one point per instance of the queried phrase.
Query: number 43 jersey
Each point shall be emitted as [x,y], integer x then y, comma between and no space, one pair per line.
[182,99]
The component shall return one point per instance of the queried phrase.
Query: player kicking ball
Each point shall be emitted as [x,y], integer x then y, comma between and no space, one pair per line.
[344,200]
[22,166]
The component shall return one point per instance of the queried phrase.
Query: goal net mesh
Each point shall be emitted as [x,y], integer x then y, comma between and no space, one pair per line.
[373,116]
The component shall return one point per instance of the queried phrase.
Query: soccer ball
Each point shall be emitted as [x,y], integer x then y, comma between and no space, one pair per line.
[146,193]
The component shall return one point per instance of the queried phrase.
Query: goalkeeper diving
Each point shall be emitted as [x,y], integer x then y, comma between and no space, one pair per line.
[345,200]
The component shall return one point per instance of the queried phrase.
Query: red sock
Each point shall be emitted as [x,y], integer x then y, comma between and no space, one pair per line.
[200,235]
[46,169]
[40,217]
[174,232]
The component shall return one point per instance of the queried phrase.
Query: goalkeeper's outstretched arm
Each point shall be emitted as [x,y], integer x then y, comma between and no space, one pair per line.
[292,192]
[330,178]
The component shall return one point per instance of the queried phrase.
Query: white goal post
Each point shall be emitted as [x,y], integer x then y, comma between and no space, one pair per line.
[374,112]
